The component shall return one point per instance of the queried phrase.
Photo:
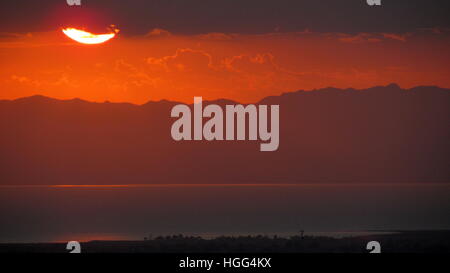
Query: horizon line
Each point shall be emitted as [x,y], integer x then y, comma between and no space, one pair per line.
[199,185]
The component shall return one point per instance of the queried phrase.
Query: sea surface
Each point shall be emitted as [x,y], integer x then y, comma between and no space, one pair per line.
[49,213]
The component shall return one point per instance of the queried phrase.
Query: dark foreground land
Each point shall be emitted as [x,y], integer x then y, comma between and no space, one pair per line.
[399,242]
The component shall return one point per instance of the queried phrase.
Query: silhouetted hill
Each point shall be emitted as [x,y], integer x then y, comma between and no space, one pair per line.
[382,134]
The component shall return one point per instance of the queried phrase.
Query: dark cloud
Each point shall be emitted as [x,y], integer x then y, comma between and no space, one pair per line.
[227,16]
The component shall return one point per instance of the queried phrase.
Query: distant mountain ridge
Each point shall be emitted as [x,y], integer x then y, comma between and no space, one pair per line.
[393,87]
[377,135]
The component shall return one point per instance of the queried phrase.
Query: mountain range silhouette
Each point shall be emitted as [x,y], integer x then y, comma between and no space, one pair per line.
[383,134]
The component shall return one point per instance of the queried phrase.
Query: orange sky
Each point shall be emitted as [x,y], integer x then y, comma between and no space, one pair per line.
[242,67]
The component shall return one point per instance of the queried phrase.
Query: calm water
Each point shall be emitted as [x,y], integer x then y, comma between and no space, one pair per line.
[44,213]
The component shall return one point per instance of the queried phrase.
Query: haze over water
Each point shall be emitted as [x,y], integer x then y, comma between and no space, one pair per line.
[132,212]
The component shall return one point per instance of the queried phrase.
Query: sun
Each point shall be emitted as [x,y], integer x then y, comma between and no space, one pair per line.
[88,38]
